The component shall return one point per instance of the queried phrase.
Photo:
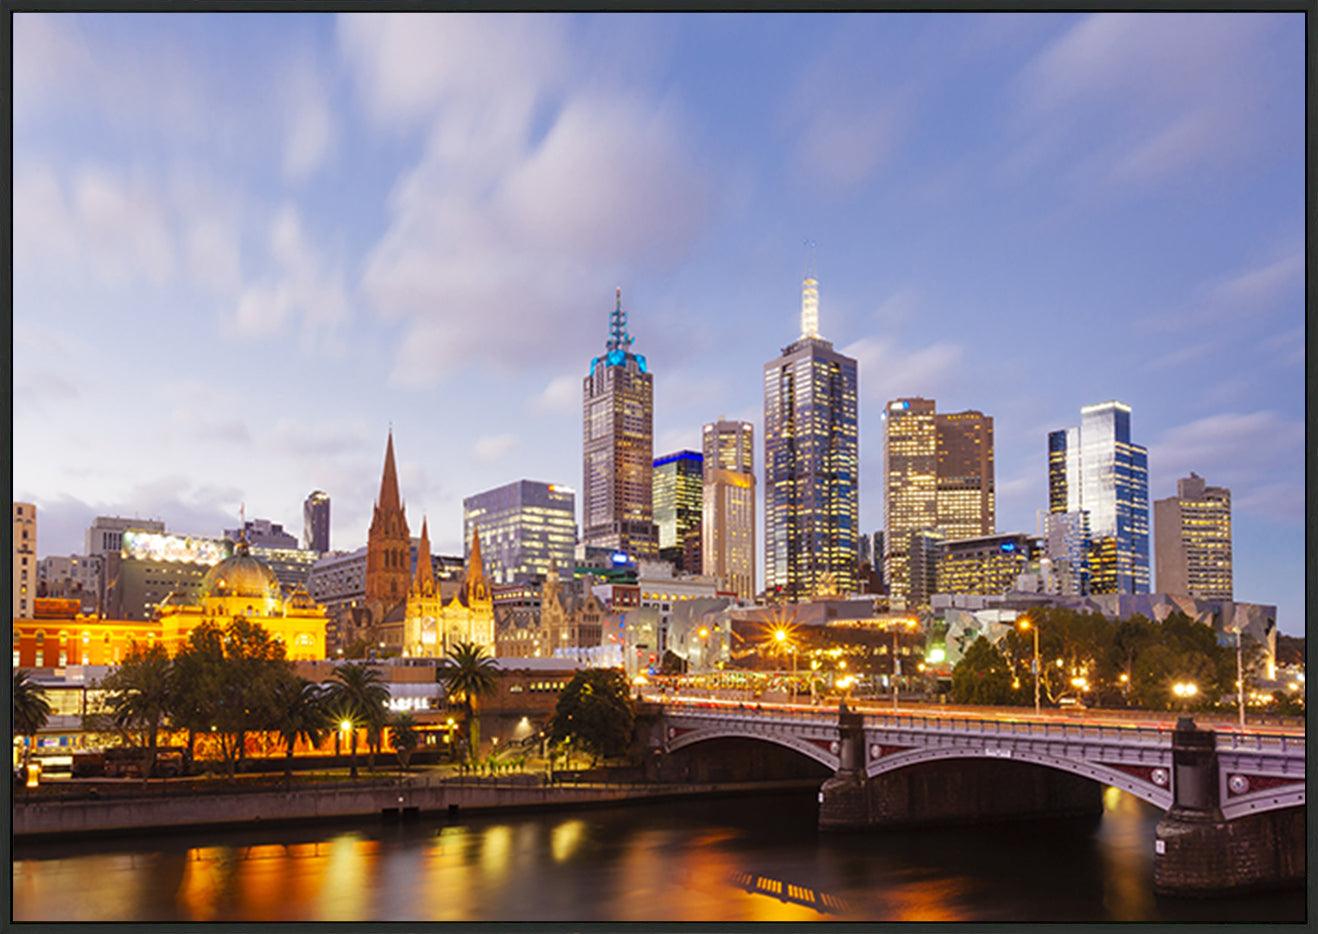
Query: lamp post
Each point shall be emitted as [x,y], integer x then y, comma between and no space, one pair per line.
[1024,624]
[1240,680]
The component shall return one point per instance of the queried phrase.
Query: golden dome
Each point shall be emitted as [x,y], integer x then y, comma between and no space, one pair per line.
[241,576]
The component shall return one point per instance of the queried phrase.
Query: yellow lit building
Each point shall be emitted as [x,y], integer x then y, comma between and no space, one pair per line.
[427,625]
[244,585]
[241,585]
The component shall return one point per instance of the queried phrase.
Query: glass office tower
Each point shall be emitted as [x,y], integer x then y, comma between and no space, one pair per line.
[527,529]
[811,482]
[1107,475]
[678,481]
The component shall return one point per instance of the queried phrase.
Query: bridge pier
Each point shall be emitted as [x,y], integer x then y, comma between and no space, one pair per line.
[1198,852]
[844,798]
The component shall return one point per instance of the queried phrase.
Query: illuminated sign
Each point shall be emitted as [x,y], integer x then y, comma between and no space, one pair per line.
[936,655]
[157,546]
[1008,546]
[899,406]
[618,557]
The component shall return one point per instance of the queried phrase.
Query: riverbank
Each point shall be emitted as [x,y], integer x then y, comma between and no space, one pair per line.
[396,799]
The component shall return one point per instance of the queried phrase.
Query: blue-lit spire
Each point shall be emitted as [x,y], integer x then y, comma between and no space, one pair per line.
[619,339]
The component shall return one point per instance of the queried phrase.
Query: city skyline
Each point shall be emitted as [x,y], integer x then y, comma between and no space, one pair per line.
[304,333]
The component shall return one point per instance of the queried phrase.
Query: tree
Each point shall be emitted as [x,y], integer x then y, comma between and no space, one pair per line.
[138,696]
[469,673]
[31,709]
[357,694]
[197,673]
[403,733]
[595,710]
[243,686]
[982,676]
[299,712]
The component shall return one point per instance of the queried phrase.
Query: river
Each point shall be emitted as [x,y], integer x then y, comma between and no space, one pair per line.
[733,859]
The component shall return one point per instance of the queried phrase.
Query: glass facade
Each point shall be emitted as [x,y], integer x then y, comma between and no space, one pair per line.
[1098,469]
[678,480]
[527,528]
[811,481]
[316,522]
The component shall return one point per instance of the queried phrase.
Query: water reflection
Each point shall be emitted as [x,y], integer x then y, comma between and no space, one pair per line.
[714,860]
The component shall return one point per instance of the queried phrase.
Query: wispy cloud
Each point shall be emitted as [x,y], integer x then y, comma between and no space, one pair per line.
[1258,454]
[530,183]
[491,448]
[561,396]
[889,371]
[1244,295]
[1130,99]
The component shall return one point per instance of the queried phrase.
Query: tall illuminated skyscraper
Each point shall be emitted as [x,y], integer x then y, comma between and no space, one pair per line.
[678,479]
[811,480]
[316,522]
[966,496]
[939,472]
[1192,537]
[618,447]
[910,500]
[1098,469]
[728,515]
[527,529]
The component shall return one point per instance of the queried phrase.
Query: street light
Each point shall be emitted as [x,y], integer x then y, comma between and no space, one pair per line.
[1240,680]
[1025,625]
[1185,690]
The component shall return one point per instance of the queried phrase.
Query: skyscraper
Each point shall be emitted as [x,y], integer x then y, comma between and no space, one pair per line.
[388,544]
[1098,469]
[938,467]
[966,503]
[25,559]
[316,522]
[678,499]
[1192,538]
[728,514]
[527,529]
[618,446]
[811,480]
[910,501]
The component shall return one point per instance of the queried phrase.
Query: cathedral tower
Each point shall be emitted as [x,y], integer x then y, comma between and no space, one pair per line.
[388,545]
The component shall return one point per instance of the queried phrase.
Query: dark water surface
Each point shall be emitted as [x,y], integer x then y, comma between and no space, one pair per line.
[746,858]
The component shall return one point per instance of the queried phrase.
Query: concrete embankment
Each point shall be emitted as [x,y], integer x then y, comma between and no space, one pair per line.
[58,818]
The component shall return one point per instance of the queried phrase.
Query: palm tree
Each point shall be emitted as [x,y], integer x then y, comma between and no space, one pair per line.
[403,732]
[470,673]
[357,695]
[31,709]
[139,694]
[299,711]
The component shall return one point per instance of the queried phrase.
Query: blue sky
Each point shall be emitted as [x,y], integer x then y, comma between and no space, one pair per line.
[246,244]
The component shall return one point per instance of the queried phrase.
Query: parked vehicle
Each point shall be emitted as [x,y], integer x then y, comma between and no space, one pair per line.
[1070,702]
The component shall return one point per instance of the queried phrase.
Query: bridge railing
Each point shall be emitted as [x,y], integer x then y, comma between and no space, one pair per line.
[1080,731]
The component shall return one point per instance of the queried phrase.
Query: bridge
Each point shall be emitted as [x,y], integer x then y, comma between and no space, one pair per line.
[1230,796]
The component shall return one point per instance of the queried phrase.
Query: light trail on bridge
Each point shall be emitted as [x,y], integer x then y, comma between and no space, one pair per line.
[1135,720]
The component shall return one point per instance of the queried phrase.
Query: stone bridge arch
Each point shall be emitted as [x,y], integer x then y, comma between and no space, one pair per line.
[822,752]
[1097,772]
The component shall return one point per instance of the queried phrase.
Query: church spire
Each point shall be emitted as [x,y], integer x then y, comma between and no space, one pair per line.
[389,498]
[619,339]
[424,580]
[476,569]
